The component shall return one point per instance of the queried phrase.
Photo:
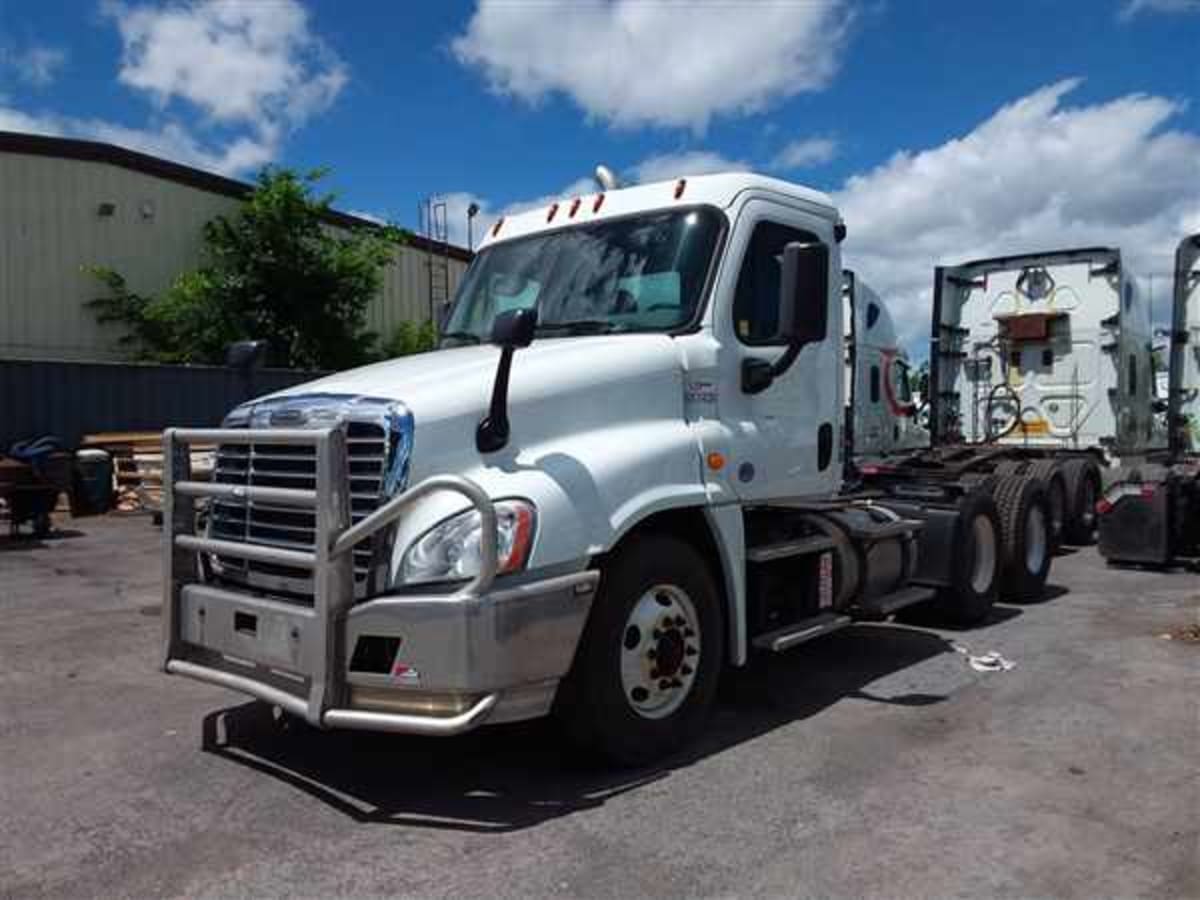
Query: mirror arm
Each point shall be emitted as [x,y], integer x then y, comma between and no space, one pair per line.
[492,432]
[785,361]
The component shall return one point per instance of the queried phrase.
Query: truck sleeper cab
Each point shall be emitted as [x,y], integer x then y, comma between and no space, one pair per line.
[1149,513]
[620,474]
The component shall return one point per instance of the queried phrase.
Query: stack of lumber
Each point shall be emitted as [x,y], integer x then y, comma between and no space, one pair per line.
[138,465]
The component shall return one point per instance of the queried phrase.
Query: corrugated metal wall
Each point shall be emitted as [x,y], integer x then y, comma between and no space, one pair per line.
[51,229]
[71,399]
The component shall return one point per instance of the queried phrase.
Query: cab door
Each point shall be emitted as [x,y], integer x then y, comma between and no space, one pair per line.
[787,439]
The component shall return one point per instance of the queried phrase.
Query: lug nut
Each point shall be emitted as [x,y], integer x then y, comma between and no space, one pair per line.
[654,673]
[689,650]
[686,670]
[651,653]
[687,632]
[680,621]
[664,684]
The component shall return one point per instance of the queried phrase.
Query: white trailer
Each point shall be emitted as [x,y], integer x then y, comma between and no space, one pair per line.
[621,474]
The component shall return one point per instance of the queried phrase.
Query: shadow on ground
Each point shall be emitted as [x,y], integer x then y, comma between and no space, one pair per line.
[511,777]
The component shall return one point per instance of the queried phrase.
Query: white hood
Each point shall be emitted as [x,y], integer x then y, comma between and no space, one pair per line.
[557,386]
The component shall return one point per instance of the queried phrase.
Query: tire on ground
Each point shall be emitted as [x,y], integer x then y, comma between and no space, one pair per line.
[975,572]
[1049,473]
[592,704]
[1021,502]
[1081,480]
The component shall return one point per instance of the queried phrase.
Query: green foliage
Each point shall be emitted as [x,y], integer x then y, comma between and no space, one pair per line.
[274,270]
[409,338]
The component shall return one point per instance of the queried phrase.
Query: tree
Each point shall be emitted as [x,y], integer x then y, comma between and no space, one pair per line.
[274,270]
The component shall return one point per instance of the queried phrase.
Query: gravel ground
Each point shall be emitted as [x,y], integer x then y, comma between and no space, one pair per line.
[873,762]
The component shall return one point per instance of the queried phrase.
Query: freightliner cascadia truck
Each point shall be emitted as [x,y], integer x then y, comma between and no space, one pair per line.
[621,474]
[1150,511]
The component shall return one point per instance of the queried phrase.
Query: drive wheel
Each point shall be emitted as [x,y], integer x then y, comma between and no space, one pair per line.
[1025,537]
[1081,482]
[976,568]
[645,673]
[1049,473]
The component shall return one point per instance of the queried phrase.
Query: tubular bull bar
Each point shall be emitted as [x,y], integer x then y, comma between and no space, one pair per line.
[287,654]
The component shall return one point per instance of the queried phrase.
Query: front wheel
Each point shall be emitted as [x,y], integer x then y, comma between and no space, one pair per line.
[645,673]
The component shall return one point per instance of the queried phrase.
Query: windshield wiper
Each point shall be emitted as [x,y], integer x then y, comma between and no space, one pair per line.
[579,326]
[468,336]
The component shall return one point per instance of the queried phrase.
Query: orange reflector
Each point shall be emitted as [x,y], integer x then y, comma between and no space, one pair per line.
[679,186]
[716,461]
[574,208]
[599,203]
[553,210]
[496,227]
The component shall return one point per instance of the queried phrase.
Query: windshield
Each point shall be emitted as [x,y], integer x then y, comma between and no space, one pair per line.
[642,273]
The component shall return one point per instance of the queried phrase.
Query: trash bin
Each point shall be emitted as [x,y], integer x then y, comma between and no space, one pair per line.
[92,488]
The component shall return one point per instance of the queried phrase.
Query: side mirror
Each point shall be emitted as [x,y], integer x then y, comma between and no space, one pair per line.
[245,355]
[803,293]
[510,330]
[803,312]
[515,329]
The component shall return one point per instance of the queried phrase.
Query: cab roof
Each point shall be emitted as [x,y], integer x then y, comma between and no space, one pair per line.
[720,190]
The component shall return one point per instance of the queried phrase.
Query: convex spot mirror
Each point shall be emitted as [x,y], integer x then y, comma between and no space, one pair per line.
[803,293]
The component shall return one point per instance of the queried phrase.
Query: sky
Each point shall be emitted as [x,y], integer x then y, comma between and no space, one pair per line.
[944,131]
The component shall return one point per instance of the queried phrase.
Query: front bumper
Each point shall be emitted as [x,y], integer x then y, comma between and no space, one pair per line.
[461,660]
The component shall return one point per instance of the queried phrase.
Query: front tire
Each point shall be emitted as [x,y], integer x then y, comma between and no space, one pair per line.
[645,673]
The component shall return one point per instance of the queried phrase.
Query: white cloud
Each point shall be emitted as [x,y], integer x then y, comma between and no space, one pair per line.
[1037,174]
[36,65]
[630,63]
[171,141]
[679,165]
[1132,8]
[256,64]
[804,153]
[254,71]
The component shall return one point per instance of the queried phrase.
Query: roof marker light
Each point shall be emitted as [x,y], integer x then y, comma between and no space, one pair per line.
[599,203]
[553,211]
[574,208]
[679,186]
[496,227]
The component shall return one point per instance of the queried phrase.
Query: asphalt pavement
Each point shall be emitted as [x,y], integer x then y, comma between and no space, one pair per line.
[875,762]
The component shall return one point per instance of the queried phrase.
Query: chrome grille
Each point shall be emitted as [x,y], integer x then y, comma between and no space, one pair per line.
[273,465]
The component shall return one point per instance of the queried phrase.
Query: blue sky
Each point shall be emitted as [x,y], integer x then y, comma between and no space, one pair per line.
[945,130]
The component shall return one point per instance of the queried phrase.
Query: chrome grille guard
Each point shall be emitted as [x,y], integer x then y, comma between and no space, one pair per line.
[316,691]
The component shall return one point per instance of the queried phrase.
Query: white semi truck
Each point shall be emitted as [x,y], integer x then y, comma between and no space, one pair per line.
[1150,511]
[622,473]
[883,415]
[1040,364]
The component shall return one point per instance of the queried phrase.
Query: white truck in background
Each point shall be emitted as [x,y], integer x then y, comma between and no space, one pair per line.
[621,474]
[1150,511]
[1040,364]
[883,416]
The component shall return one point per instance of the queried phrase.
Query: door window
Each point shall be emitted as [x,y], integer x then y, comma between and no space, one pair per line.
[756,302]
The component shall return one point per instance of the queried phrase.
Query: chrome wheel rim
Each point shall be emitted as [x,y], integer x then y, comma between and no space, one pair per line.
[660,651]
[983,572]
[1035,539]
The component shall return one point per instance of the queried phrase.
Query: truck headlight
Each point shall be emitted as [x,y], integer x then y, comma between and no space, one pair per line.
[450,551]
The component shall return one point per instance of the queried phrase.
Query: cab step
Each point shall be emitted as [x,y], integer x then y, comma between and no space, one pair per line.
[805,546]
[897,600]
[798,632]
